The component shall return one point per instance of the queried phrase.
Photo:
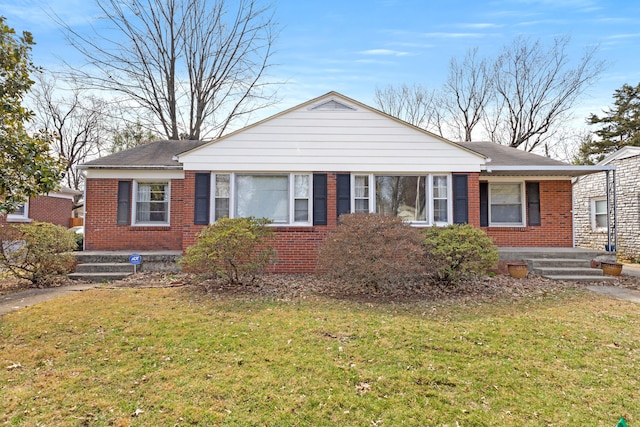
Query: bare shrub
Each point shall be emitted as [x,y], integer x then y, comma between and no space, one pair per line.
[375,251]
[39,252]
[235,250]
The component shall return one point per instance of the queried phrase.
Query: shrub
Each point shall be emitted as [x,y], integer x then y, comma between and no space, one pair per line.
[236,250]
[38,252]
[458,252]
[377,251]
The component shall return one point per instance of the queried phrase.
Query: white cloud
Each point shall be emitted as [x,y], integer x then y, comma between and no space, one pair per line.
[384,52]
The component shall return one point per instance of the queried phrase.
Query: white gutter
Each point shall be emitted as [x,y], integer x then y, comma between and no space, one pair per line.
[569,169]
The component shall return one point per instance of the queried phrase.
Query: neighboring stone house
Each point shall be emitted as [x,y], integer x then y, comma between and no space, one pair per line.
[306,166]
[590,206]
[55,207]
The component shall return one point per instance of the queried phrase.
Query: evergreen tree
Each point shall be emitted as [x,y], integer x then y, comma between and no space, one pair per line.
[26,164]
[619,127]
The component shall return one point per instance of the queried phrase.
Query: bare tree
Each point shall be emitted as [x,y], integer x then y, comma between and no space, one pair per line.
[535,89]
[413,104]
[467,92]
[195,65]
[75,118]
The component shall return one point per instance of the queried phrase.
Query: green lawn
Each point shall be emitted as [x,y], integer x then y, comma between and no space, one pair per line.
[165,357]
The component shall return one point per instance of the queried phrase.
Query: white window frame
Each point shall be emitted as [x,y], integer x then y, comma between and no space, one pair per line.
[291,195]
[523,205]
[428,196]
[213,186]
[134,203]
[23,217]
[594,213]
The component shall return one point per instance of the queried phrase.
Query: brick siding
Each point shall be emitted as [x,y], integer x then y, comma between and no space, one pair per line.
[556,229]
[56,210]
[297,246]
[103,233]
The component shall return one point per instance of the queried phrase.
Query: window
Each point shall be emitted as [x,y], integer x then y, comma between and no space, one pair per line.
[282,198]
[21,214]
[506,204]
[440,199]
[361,193]
[417,199]
[403,196]
[151,203]
[222,196]
[301,190]
[599,213]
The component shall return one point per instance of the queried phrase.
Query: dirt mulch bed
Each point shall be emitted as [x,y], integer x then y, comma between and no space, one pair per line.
[293,286]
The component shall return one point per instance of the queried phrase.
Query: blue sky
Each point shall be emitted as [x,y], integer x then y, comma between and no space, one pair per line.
[354,46]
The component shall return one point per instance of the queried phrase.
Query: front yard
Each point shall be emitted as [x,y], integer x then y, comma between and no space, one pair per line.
[543,355]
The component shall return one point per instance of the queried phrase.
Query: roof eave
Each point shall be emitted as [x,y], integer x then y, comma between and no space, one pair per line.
[568,170]
[130,167]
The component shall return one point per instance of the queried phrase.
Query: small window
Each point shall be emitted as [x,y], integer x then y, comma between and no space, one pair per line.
[440,199]
[361,193]
[599,213]
[301,191]
[21,214]
[222,196]
[152,203]
[506,204]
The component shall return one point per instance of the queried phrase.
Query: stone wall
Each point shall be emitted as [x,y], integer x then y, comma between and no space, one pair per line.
[593,186]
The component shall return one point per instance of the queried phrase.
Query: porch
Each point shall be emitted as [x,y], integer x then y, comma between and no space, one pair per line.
[558,263]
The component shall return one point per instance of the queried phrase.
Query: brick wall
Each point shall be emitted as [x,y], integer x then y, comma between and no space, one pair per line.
[627,204]
[103,233]
[556,229]
[56,210]
[297,246]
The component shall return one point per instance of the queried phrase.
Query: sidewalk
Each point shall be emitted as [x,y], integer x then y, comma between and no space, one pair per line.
[18,300]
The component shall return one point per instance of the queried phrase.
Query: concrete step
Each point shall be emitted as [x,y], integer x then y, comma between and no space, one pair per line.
[559,262]
[568,271]
[151,260]
[98,277]
[106,267]
[576,278]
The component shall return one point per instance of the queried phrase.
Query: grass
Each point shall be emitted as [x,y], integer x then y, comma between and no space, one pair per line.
[170,357]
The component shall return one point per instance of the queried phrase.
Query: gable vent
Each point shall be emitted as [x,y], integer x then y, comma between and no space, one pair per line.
[332,105]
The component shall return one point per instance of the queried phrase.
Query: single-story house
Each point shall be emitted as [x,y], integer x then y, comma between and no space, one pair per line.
[591,209]
[306,166]
[54,207]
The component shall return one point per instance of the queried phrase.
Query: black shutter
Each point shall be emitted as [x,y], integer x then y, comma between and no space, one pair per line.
[202,198]
[319,199]
[124,203]
[533,203]
[460,199]
[343,193]
[484,204]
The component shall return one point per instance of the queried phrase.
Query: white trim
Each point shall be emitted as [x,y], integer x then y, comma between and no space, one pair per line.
[135,174]
[428,195]
[134,204]
[290,202]
[593,212]
[23,217]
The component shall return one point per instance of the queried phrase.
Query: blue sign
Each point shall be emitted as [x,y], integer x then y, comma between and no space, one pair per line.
[135,259]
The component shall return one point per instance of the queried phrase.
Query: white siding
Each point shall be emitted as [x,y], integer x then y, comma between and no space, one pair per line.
[359,140]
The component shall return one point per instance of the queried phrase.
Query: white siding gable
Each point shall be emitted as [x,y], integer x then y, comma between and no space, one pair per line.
[332,133]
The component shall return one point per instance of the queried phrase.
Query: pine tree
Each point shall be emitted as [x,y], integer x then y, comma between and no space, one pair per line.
[620,127]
